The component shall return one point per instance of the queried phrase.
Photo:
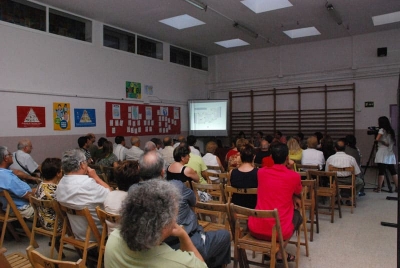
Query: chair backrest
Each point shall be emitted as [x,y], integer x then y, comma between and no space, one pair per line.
[39,261]
[230,190]
[91,227]
[51,204]
[211,176]
[339,170]
[235,211]
[216,190]
[301,167]
[105,217]
[217,168]
[317,175]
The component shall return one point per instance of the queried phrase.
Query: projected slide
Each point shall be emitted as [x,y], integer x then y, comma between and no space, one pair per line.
[208,117]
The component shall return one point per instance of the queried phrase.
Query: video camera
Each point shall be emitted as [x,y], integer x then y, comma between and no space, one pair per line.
[373,131]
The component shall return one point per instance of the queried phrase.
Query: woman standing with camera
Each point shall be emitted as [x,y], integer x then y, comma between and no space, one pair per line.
[385,158]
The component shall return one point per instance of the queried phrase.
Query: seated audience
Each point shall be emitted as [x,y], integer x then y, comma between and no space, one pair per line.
[312,156]
[93,147]
[214,247]
[245,176]
[178,170]
[180,139]
[107,158]
[99,149]
[262,152]
[191,141]
[84,144]
[279,137]
[158,143]
[295,152]
[22,159]
[327,146]
[196,163]
[126,175]
[134,152]
[19,190]
[319,136]
[168,151]
[80,187]
[51,174]
[210,159]
[149,146]
[139,240]
[278,187]
[352,149]
[119,148]
[257,139]
[234,160]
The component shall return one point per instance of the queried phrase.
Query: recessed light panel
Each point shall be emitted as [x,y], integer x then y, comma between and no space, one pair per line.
[232,43]
[259,6]
[303,32]
[386,18]
[182,22]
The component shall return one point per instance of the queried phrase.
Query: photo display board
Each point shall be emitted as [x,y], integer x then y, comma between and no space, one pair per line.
[126,119]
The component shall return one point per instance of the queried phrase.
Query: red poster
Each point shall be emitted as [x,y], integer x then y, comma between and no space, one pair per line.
[29,116]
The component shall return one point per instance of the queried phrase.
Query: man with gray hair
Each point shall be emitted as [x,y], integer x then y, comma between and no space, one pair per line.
[80,187]
[214,246]
[168,151]
[148,218]
[134,152]
[23,160]
[149,146]
[19,190]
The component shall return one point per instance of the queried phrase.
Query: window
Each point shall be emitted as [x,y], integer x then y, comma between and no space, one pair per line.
[64,24]
[199,62]
[149,48]
[23,13]
[118,39]
[179,56]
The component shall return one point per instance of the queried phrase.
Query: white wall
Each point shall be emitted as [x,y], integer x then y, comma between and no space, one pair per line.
[336,61]
[43,67]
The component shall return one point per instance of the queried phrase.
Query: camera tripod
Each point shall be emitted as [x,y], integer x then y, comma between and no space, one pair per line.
[370,159]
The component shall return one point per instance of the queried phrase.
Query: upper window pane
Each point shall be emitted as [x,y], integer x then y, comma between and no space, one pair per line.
[23,13]
[199,62]
[179,56]
[118,39]
[64,24]
[149,48]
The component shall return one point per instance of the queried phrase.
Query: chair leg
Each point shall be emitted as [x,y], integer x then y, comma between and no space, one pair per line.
[316,216]
[332,209]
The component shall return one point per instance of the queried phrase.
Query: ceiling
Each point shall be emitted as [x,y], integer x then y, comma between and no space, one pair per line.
[143,16]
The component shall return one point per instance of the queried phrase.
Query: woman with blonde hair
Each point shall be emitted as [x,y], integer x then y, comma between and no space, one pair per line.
[210,159]
[295,152]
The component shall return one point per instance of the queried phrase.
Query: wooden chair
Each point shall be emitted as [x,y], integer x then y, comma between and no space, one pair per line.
[218,209]
[13,260]
[244,241]
[331,191]
[215,190]
[209,175]
[351,187]
[37,205]
[302,227]
[39,261]
[6,218]
[104,216]
[301,167]
[217,168]
[311,205]
[67,236]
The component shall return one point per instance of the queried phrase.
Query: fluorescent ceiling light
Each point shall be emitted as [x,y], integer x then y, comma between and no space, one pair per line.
[232,43]
[303,32]
[197,4]
[259,6]
[182,22]
[386,18]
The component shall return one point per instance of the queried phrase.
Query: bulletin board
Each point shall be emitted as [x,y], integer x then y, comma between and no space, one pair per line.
[126,119]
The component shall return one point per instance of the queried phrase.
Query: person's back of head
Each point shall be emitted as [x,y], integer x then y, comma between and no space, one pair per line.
[167,141]
[157,142]
[82,141]
[279,152]
[135,141]
[241,142]
[127,174]
[179,152]
[107,148]
[71,160]
[312,142]
[300,135]
[340,145]
[101,141]
[211,146]
[50,168]
[247,153]
[351,141]
[151,165]
[154,201]
[149,146]
[119,139]
[191,140]
[264,145]
[269,138]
